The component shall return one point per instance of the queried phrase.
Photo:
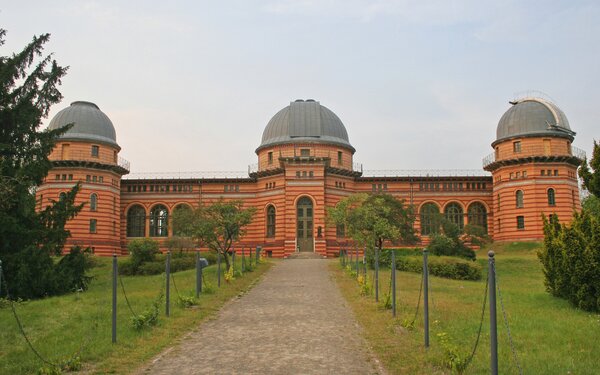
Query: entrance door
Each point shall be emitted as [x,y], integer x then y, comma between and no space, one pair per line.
[304,229]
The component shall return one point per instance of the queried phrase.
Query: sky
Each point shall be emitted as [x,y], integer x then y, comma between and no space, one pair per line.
[190,85]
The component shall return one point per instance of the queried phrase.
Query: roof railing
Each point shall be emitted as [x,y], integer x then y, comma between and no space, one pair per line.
[537,150]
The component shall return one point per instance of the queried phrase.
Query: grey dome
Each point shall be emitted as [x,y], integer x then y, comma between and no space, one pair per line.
[89,124]
[305,121]
[533,117]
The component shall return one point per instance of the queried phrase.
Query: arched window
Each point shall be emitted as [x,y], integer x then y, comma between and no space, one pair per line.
[136,221]
[180,208]
[271,221]
[159,221]
[551,197]
[62,196]
[477,215]
[429,223]
[94,202]
[519,198]
[454,213]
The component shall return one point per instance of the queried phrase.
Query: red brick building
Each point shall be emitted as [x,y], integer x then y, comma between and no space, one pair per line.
[305,164]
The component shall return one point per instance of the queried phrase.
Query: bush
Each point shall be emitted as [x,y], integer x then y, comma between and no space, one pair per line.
[571,257]
[447,267]
[71,269]
[385,257]
[142,250]
[181,262]
[443,245]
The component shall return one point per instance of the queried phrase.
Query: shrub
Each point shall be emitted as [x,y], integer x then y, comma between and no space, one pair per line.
[447,267]
[71,270]
[570,258]
[444,245]
[148,318]
[142,250]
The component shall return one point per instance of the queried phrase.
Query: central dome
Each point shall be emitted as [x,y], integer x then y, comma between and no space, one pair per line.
[305,121]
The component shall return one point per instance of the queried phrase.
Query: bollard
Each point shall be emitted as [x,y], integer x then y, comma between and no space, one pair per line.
[493,327]
[356,256]
[114,298]
[365,262]
[219,268]
[198,275]
[343,253]
[168,284]
[376,274]
[257,254]
[426,297]
[250,256]
[243,261]
[351,260]
[233,258]
[393,283]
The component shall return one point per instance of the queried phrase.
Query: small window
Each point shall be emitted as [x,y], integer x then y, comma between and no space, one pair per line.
[543,172]
[303,173]
[95,151]
[339,158]
[519,198]
[94,202]
[101,179]
[498,200]
[88,178]
[64,177]
[115,157]
[237,187]
[311,174]
[70,177]
[549,172]
[551,197]
[521,222]
[57,177]
[304,152]
[517,146]
[62,196]
[556,172]
[374,187]
[524,174]
[517,174]
[95,178]
[298,174]
[511,176]
[270,157]
[93,224]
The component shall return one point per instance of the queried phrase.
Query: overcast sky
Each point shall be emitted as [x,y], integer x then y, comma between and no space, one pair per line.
[190,86]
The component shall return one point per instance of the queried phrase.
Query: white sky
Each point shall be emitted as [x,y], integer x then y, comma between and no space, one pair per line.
[190,85]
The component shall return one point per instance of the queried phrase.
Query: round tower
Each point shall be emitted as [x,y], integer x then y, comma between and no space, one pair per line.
[87,153]
[534,169]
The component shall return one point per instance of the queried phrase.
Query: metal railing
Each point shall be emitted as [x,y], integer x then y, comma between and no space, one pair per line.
[185,175]
[254,168]
[87,156]
[526,151]
[426,173]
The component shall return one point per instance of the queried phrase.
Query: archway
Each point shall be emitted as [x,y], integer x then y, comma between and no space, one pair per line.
[304,226]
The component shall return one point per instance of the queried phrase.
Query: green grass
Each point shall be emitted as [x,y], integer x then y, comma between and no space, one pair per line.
[58,326]
[550,336]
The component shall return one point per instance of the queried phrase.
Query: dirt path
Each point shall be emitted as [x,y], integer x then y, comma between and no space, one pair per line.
[294,322]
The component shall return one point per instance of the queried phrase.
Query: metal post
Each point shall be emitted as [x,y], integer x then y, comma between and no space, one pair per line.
[257,254]
[219,268]
[168,284]
[356,256]
[393,283]
[343,254]
[351,259]
[365,262]
[198,275]
[114,298]
[250,257]
[426,297]
[243,260]
[493,328]
[376,274]
[233,258]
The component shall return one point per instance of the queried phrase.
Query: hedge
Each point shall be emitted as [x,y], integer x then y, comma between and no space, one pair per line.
[447,267]
[179,262]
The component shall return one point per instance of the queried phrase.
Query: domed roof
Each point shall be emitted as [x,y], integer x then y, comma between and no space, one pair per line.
[305,121]
[533,117]
[89,124]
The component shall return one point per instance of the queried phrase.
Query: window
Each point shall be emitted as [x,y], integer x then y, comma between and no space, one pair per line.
[519,198]
[524,174]
[88,178]
[115,158]
[543,172]
[94,202]
[270,157]
[556,172]
[101,179]
[551,197]
[136,221]
[57,177]
[454,213]
[95,151]
[521,222]
[93,224]
[62,196]
[70,177]
[498,200]
[114,205]
[159,221]
[63,177]
[95,178]
[339,158]
[429,218]
[477,215]
[297,174]
[304,152]
[271,221]
[517,146]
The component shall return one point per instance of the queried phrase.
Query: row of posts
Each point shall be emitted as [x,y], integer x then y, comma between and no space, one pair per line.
[491,289]
[200,264]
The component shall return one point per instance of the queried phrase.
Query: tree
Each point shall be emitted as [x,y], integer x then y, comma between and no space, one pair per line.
[216,226]
[591,174]
[372,219]
[28,88]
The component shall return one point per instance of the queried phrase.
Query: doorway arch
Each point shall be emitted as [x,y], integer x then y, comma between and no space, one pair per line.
[304,224]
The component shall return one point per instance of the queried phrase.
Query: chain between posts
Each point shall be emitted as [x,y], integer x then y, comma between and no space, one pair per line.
[510,340]
[480,323]
[125,295]
[418,301]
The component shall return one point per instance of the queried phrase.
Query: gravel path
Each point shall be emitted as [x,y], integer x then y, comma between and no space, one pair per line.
[295,321]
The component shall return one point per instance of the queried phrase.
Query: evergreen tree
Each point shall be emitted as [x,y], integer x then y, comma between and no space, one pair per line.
[591,174]
[28,88]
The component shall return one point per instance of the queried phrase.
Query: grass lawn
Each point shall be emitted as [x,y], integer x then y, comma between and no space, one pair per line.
[550,336]
[58,326]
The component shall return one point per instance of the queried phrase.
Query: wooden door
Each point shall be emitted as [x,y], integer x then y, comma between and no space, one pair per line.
[304,226]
